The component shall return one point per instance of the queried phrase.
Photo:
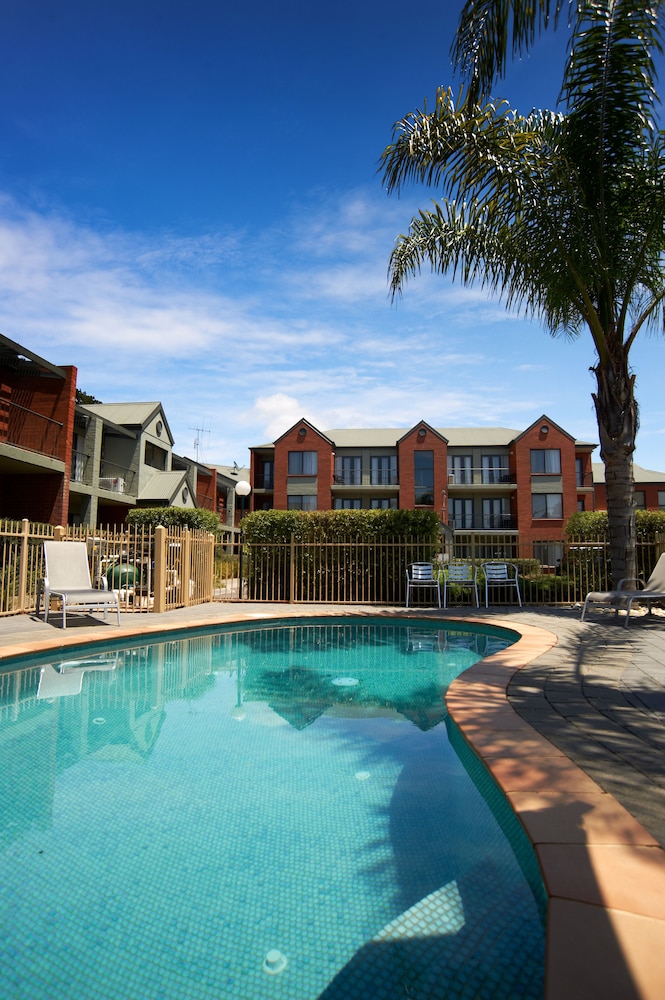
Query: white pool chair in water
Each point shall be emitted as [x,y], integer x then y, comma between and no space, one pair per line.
[54,684]
[67,576]
[421,641]
[461,575]
[624,597]
[421,575]
[500,574]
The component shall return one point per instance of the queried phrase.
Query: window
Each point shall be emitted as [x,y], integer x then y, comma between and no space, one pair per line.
[383,470]
[384,503]
[548,554]
[266,480]
[547,505]
[460,513]
[423,473]
[640,500]
[661,499]
[348,470]
[579,472]
[496,513]
[459,469]
[347,503]
[495,469]
[301,502]
[302,463]
[546,461]
[155,456]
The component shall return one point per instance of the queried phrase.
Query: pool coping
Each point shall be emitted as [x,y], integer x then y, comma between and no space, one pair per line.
[604,874]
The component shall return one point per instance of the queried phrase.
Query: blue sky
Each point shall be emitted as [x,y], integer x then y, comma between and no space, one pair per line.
[190,212]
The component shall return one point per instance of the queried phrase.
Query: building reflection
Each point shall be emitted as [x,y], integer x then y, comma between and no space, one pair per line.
[111,705]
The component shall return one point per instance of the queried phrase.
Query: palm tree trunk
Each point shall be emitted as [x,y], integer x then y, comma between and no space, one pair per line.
[616,411]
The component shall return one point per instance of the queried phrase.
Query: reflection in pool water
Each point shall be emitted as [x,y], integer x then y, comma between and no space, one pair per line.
[177,816]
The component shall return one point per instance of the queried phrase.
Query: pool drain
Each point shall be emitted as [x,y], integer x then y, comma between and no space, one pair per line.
[363,775]
[345,682]
[274,962]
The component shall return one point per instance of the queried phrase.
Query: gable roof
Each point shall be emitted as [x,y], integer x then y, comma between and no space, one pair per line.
[163,485]
[298,423]
[640,475]
[131,414]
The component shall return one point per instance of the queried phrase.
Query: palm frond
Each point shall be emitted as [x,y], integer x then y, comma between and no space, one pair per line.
[489,30]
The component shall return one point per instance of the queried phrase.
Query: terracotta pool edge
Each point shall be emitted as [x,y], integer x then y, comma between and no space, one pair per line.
[603,872]
[601,941]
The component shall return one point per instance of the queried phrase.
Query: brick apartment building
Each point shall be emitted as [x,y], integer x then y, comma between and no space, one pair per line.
[492,479]
[63,462]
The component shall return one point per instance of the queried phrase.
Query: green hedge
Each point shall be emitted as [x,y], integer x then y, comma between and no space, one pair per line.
[333,525]
[180,517]
[591,525]
[378,571]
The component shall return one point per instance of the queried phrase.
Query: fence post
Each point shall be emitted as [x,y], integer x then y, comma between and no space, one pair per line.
[292,567]
[23,565]
[59,533]
[159,577]
[186,565]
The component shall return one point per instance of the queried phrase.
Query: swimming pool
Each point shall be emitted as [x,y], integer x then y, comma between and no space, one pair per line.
[275,811]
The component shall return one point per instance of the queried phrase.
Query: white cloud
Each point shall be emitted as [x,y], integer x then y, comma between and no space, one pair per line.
[244,333]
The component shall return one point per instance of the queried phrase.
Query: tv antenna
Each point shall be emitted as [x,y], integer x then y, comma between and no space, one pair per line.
[197,440]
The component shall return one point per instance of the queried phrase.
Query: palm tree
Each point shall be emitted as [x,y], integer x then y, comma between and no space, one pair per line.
[562,215]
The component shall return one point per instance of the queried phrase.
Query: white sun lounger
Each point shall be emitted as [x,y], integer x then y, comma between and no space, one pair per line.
[624,597]
[67,576]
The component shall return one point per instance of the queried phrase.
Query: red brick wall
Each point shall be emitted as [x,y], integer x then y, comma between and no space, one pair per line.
[45,496]
[650,490]
[406,449]
[311,440]
[520,457]
[206,490]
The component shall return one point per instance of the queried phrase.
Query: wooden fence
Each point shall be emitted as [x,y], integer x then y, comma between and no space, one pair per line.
[161,569]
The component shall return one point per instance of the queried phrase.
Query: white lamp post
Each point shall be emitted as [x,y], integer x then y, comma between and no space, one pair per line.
[243,489]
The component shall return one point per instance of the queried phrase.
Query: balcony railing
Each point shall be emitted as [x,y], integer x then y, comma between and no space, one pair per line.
[348,479]
[27,429]
[264,481]
[480,477]
[357,478]
[116,478]
[493,522]
[79,466]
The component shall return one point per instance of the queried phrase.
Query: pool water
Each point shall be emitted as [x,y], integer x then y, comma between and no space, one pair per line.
[279,811]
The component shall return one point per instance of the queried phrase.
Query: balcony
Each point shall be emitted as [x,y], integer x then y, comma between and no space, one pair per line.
[264,481]
[494,522]
[348,479]
[29,430]
[116,478]
[79,466]
[584,481]
[481,477]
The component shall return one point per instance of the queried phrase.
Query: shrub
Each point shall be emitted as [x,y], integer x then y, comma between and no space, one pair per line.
[181,517]
[333,525]
[591,525]
[375,569]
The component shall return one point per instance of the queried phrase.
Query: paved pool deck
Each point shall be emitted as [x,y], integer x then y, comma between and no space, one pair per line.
[571,722]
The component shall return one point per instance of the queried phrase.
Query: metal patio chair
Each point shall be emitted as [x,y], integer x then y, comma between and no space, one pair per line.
[461,575]
[420,575]
[500,574]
